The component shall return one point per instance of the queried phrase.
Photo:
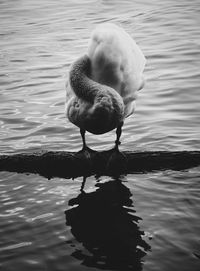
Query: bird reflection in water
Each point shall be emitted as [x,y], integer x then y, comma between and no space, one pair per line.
[104,222]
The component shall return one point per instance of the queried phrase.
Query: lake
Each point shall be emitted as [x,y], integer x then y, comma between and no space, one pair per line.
[137,222]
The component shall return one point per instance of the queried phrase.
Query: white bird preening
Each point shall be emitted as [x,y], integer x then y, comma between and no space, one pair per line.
[103,84]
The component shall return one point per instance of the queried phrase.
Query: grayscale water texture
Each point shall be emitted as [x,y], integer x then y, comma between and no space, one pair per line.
[137,222]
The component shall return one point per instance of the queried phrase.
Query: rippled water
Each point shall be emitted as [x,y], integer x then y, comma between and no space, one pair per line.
[148,221]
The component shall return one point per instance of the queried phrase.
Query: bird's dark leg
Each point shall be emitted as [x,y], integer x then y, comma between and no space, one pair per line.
[85,151]
[83,184]
[117,162]
[118,133]
[82,131]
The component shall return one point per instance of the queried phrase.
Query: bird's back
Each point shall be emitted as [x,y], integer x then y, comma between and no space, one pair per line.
[116,61]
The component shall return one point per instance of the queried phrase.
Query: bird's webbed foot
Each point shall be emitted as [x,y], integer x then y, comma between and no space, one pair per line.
[117,162]
[85,151]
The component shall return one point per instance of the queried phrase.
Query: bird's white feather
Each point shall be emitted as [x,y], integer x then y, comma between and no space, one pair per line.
[113,70]
[117,61]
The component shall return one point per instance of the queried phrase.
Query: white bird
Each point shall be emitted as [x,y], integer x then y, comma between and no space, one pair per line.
[103,84]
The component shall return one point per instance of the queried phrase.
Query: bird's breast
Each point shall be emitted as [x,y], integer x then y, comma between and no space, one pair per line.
[99,117]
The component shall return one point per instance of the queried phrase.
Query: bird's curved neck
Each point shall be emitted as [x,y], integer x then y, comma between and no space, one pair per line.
[82,85]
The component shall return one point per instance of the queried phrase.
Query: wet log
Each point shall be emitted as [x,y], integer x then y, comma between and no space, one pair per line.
[70,164]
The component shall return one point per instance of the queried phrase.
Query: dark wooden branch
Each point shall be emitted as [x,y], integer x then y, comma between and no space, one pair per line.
[70,164]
